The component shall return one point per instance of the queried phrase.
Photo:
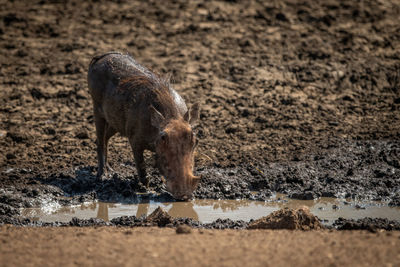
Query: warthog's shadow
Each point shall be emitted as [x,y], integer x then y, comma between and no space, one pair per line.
[83,185]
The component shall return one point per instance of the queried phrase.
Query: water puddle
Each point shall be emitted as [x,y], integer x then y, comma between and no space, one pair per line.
[206,211]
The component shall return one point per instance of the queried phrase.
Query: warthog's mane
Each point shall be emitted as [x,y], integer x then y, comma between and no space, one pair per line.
[98,57]
[155,89]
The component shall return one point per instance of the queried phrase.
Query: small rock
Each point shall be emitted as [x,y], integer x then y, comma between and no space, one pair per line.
[183,229]
[82,135]
[10,156]
[281,17]
[308,195]
[19,137]
[159,217]
[50,131]
[3,134]
[226,188]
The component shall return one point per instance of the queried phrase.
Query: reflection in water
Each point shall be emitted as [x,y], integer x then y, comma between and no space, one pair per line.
[183,210]
[91,206]
[142,209]
[102,212]
[178,209]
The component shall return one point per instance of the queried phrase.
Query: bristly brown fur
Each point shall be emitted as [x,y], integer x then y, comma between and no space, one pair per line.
[98,57]
[154,87]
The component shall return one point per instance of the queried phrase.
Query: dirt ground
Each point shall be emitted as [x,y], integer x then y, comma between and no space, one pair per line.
[107,246]
[297,97]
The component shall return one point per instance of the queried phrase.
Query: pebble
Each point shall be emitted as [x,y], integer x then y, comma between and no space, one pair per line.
[183,229]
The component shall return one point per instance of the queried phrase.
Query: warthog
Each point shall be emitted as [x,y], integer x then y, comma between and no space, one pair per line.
[133,101]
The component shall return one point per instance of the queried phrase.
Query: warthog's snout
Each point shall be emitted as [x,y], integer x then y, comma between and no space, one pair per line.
[184,190]
[183,197]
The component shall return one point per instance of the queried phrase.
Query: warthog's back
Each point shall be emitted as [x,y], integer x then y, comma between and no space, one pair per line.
[122,91]
[108,70]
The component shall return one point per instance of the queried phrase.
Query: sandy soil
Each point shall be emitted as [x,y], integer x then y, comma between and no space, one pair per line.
[107,246]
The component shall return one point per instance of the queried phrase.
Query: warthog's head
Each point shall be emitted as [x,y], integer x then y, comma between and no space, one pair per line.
[174,147]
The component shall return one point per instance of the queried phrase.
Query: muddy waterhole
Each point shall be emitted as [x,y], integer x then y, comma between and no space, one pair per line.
[209,210]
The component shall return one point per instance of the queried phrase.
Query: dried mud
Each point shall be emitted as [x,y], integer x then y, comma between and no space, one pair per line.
[300,98]
[110,246]
[298,219]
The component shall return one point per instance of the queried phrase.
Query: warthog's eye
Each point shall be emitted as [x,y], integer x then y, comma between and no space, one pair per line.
[164,137]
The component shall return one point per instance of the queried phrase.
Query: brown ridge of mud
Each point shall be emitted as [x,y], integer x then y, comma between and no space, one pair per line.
[159,217]
[292,219]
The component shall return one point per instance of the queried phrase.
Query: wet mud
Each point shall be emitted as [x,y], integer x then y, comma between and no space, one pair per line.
[208,210]
[370,224]
[278,213]
[296,98]
[287,218]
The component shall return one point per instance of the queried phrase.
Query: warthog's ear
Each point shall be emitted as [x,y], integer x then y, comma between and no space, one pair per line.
[193,114]
[156,117]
